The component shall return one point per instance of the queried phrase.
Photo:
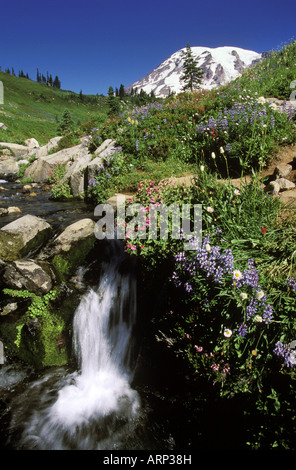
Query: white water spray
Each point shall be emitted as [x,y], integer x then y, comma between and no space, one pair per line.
[97,401]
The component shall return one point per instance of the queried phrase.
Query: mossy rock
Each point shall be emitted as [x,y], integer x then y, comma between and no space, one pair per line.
[66,264]
[23,236]
[40,343]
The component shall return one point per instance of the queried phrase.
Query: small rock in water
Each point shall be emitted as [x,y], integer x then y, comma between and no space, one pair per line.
[13,210]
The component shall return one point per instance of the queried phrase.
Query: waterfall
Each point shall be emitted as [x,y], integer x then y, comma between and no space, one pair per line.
[96,402]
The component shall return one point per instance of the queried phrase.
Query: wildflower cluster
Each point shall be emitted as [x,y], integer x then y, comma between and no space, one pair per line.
[228,327]
[146,238]
[113,166]
[251,119]
[286,352]
[210,260]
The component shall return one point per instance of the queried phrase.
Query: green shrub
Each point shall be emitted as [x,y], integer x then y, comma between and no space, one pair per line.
[60,189]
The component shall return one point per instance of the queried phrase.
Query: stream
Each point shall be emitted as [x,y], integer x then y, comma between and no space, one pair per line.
[127,390]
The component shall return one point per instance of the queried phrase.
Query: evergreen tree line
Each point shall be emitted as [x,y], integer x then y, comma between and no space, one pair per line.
[46,80]
[137,98]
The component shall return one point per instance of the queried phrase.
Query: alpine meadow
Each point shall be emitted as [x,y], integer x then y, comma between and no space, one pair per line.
[220,318]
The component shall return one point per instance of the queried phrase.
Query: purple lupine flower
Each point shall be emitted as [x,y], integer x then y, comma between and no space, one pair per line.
[267,314]
[292,283]
[242,330]
[284,351]
[252,308]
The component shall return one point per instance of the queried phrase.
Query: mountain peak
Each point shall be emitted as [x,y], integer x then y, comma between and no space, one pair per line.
[220,65]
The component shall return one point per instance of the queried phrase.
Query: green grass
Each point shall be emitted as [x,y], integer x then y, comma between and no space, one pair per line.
[272,77]
[32,109]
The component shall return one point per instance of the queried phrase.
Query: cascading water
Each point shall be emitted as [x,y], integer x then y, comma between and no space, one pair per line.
[94,407]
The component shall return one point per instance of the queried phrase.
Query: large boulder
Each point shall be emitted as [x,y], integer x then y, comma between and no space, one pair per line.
[27,274]
[106,149]
[45,149]
[8,168]
[68,250]
[41,168]
[76,173]
[23,236]
[32,143]
[17,149]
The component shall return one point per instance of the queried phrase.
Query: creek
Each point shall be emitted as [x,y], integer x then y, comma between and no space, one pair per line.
[126,388]
[103,400]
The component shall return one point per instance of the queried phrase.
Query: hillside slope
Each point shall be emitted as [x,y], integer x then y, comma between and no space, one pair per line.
[32,109]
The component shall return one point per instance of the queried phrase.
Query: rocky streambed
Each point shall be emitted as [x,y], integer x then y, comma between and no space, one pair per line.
[43,243]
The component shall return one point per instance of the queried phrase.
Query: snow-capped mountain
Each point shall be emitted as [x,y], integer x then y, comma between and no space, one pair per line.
[220,65]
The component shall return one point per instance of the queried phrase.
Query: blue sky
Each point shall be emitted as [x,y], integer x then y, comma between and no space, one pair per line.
[92,44]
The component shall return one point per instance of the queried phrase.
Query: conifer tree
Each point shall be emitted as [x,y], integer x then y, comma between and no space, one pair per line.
[121,92]
[192,74]
[66,124]
[56,83]
[113,102]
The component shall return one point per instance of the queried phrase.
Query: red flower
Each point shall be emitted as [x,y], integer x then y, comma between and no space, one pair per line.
[263,230]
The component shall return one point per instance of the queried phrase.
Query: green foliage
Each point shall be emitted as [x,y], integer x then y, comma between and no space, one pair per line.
[109,177]
[68,140]
[24,166]
[113,103]
[27,113]
[191,128]
[230,301]
[66,124]
[37,308]
[60,189]
[272,77]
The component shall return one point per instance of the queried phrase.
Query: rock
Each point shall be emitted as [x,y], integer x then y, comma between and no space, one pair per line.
[43,151]
[7,152]
[77,174]
[27,188]
[27,274]
[282,170]
[272,187]
[8,168]
[32,143]
[18,150]
[12,307]
[69,250]
[13,210]
[3,127]
[280,184]
[22,162]
[285,184]
[74,234]
[40,169]
[94,167]
[105,148]
[23,236]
